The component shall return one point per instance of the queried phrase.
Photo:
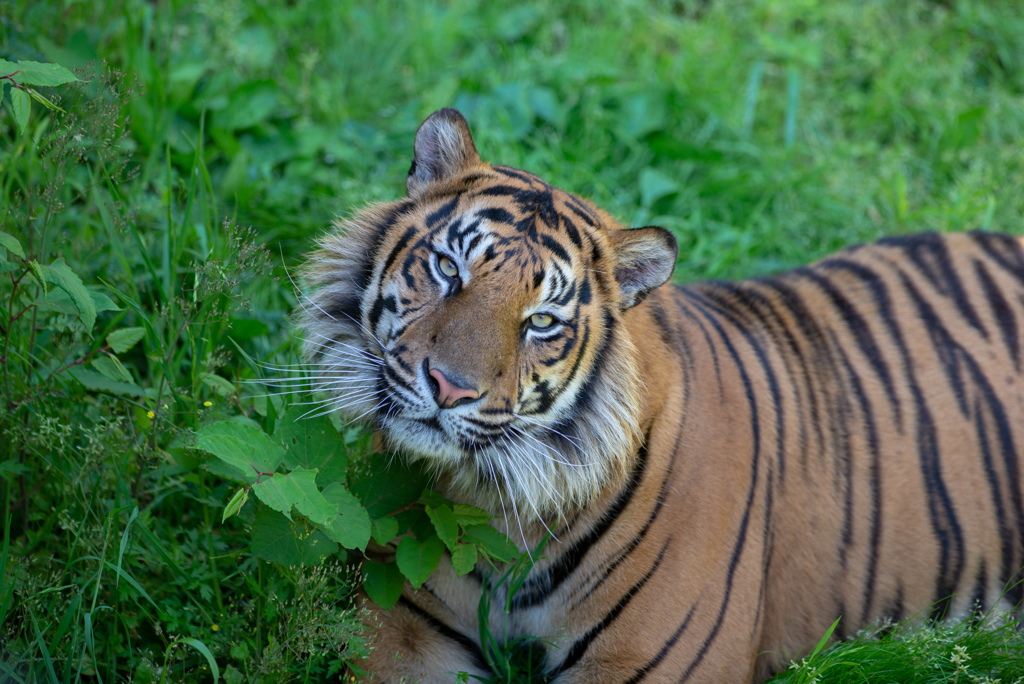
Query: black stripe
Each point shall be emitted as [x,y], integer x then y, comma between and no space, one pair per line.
[516,173]
[537,589]
[1004,316]
[496,214]
[665,648]
[442,212]
[581,645]
[929,252]
[471,648]
[1003,250]
[556,248]
[857,326]
[874,482]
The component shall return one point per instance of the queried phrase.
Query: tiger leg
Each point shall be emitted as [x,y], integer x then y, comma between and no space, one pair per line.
[410,645]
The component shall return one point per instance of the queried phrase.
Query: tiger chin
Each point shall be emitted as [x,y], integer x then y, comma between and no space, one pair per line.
[724,469]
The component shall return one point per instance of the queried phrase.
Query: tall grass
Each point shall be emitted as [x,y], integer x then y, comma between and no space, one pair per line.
[763,134]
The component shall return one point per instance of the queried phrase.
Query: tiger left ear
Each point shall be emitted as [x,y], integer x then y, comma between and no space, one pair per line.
[645,258]
[444,147]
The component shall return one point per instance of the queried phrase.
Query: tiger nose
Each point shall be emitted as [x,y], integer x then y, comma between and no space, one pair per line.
[450,395]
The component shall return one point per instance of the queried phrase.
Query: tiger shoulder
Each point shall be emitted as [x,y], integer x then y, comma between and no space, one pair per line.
[721,469]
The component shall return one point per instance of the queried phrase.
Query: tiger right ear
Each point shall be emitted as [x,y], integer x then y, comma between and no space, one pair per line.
[443,147]
[645,258]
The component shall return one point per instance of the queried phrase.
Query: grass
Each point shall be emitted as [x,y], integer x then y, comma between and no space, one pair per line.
[763,134]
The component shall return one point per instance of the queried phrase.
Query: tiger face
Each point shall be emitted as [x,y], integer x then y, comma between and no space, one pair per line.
[472,325]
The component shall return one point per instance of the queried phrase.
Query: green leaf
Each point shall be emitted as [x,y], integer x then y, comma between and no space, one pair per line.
[464,558]
[383,583]
[124,339]
[351,528]
[102,302]
[63,277]
[7,68]
[222,386]
[654,185]
[112,369]
[492,542]
[37,271]
[236,503]
[384,529]
[11,244]
[100,383]
[312,443]
[276,539]
[388,486]
[40,74]
[201,647]
[35,95]
[418,559]
[246,448]
[445,524]
[12,468]
[298,488]
[22,105]
[470,515]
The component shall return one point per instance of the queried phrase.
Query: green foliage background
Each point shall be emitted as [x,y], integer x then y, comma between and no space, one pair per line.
[763,133]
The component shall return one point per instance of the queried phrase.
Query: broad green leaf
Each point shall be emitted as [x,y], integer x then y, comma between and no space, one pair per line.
[384,529]
[100,383]
[275,538]
[11,244]
[249,450]
[22,105]
[383,583]
[12,468]
[102,302]
[124,339]
[654,185]
[492,542]
[445,524]
[112,369]
[388,486]
[63,277]
[7,68]
[312,443]
[298,488]
[470,515]
[40,74]
[351,528]
[464,558]
[418,559]
[221,386]
[236,503]
[431,498]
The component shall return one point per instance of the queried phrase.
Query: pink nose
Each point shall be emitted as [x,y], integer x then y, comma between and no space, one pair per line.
[449,394]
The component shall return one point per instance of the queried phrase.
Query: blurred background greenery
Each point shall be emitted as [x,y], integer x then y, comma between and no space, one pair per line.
[763,133]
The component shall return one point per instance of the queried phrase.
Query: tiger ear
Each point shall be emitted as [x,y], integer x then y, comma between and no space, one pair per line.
[443,147]
[645,258]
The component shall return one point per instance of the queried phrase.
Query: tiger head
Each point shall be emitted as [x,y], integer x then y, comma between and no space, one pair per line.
[478,324]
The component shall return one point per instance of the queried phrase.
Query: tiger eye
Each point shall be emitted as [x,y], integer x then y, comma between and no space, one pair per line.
[542,320]
[448,267]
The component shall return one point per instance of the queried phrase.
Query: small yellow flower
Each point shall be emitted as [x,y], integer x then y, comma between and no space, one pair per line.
[150,414]
[214,628]
[207,403]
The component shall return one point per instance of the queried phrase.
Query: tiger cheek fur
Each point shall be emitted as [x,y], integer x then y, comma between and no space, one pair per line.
[724,468]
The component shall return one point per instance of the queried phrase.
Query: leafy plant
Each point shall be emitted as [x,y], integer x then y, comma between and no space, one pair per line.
[21,75]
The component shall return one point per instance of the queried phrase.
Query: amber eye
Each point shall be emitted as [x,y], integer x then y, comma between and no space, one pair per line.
[448,267]
[542,321]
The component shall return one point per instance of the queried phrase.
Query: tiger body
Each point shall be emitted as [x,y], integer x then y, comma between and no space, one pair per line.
[723,468]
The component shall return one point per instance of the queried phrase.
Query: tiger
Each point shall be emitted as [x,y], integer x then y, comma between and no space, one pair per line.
[721,469]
